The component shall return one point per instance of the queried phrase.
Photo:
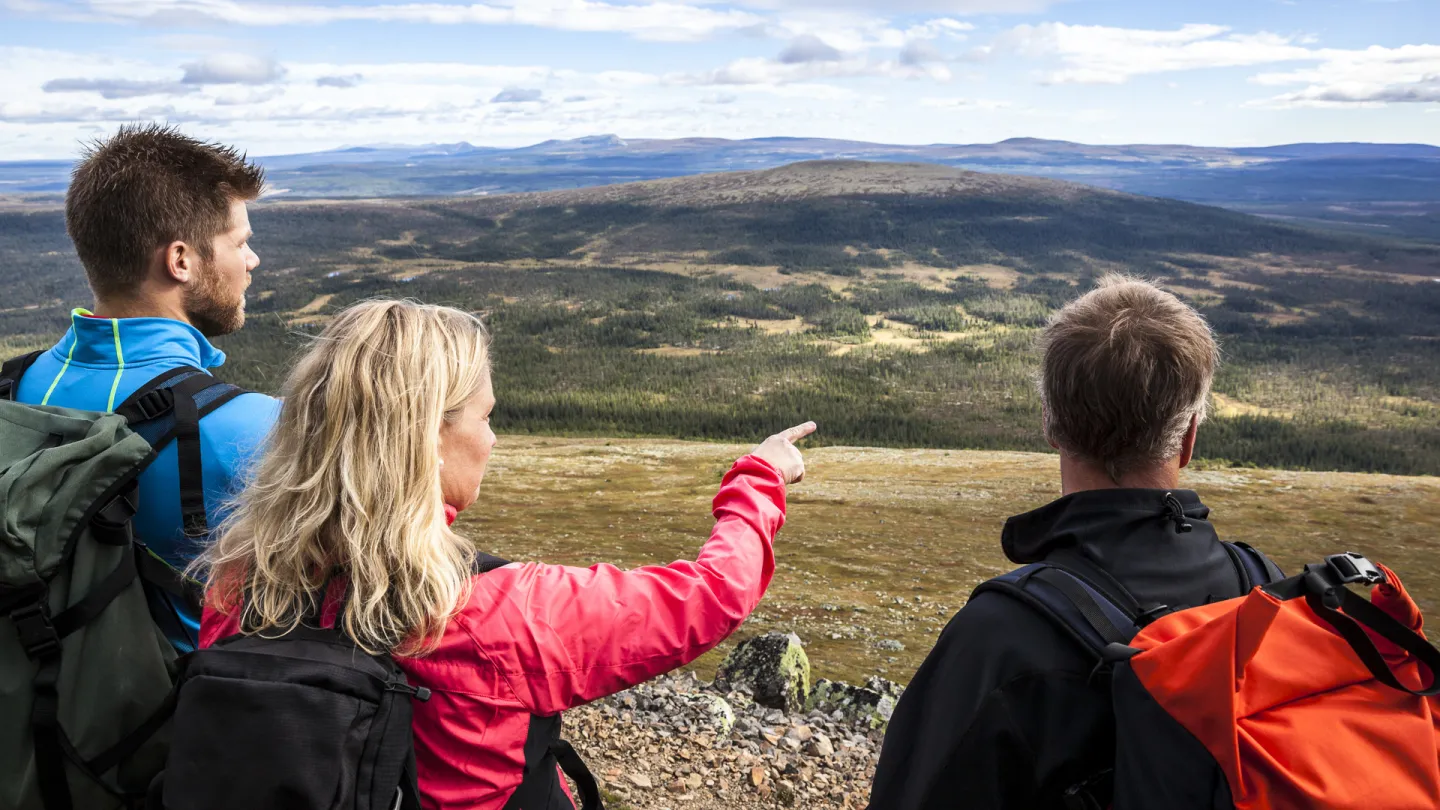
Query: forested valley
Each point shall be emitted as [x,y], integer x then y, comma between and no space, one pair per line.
[904,319]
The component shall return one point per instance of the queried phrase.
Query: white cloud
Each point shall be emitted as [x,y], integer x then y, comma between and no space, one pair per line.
[517,95]
[1331,77]
[20,113]
[341,82]
[233,68]
[911,6]
[769,72]
[939,27]
[237,97]
[920,52]
[1093,54]
[966,104]
[809,48]
[675,21]
[1376,75]
[115,88]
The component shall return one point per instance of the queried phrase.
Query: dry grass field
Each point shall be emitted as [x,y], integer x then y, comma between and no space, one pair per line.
[886,544]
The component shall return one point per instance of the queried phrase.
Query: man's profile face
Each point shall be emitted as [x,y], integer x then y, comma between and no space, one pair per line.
[215,301]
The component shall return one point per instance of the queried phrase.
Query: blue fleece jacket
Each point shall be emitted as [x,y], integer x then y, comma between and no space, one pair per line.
[101,361]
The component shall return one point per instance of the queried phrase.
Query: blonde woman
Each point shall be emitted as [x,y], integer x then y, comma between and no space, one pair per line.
[383,438]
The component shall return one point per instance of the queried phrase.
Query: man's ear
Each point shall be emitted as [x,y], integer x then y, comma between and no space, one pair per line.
[181,262]
[1187,445]
[1045,427]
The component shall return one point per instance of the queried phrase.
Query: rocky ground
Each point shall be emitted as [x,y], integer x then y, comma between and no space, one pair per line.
[759,736]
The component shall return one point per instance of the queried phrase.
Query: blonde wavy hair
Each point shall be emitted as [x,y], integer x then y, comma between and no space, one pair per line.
[349,483]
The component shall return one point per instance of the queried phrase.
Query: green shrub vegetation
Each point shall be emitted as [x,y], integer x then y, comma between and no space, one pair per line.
[1323,370]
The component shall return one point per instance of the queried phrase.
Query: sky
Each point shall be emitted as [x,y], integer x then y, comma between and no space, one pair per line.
[278,77]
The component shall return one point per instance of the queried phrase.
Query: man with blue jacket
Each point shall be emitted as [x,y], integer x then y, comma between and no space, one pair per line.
[160,224]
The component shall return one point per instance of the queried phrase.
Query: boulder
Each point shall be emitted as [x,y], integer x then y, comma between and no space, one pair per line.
[709,711]
[773,668]
[870,705]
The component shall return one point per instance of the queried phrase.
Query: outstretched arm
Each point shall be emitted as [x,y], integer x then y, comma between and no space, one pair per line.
[563,636]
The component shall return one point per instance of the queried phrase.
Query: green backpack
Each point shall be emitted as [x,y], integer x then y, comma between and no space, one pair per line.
[86,674]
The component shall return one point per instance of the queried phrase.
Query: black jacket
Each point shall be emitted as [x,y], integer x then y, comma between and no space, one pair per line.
[1003,713]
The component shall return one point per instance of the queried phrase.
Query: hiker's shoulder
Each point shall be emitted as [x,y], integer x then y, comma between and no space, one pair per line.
[242,423]
[1011,638]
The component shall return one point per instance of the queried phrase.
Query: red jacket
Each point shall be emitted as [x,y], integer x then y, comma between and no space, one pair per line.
[535,639]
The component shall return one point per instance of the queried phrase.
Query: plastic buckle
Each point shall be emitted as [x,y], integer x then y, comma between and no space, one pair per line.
[155,403]
[37,634]
[1351,567]
[7,389]
[1149,616]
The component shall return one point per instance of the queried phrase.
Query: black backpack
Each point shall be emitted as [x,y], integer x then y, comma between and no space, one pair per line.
[309,721]
[304,721]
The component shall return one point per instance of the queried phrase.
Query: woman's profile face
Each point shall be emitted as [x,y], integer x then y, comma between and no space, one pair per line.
[465,444]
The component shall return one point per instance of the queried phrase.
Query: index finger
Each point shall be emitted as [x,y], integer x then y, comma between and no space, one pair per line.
[798,432]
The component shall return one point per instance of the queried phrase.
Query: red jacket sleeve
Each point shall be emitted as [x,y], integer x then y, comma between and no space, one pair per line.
[563,636]
[215,625]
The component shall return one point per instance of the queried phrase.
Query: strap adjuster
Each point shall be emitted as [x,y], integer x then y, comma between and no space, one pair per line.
[37,634]
[7,388]
[153,404]
[1351,567]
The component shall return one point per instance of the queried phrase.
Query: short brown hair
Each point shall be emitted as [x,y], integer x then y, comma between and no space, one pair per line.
[1125,367]
[144,188]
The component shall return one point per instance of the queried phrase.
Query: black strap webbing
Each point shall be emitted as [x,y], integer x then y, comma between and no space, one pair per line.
[159,397]
[485,563]
[150,400]
[1323,587]
[1083,602]
[52,747]
[409,783]
[131,742]
[111,523]
[49,748]
[1072,560]
[187,447]
[575,767]
[12,370]
[1358,611]
[1272,571]
[95,600]
[166,577]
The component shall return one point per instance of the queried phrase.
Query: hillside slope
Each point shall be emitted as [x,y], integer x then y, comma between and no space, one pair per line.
[897,305]
[838,216]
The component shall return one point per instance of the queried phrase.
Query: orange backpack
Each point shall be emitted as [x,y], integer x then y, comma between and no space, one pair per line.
[1300,695]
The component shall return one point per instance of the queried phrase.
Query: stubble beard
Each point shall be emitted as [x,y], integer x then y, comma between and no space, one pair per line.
[210,309]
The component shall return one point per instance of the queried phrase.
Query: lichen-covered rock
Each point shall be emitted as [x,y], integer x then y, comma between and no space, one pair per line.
[870,705]
[772,667]
[676,702]
[710,712]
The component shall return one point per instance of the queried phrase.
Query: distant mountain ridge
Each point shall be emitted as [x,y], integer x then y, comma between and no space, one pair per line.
[1386,189]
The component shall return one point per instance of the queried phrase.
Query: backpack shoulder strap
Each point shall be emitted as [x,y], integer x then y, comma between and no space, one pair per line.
[170,407]
[1254,568]
[13,370]
[485,563]
[1073,604]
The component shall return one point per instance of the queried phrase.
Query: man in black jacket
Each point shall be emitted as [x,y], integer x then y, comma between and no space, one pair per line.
[1004,712]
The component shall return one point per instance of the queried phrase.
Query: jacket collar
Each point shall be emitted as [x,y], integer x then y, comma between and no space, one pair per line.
[120,342]
[1136,537]
[1092,515]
